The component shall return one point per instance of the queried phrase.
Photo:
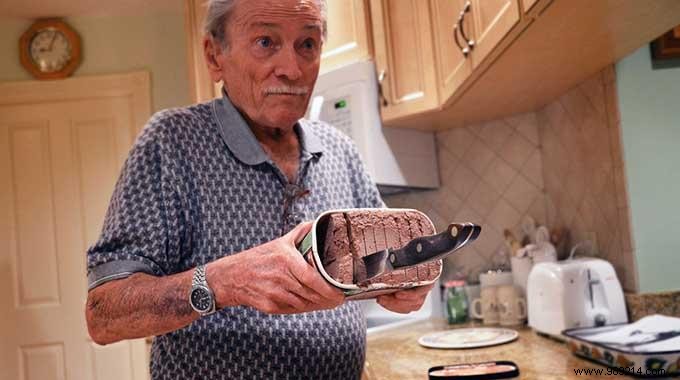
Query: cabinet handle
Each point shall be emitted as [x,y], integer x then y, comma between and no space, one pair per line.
[381,94]
[461,20]
[465,50]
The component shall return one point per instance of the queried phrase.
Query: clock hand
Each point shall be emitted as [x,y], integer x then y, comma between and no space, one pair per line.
[54,35]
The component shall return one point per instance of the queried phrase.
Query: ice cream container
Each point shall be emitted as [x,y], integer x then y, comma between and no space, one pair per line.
[368,230]
[475,371]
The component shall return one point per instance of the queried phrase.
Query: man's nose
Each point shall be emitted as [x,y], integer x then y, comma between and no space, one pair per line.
[287,64]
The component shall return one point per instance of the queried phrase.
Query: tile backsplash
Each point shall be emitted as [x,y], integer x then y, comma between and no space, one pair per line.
[491,174]
[562,165]
[580,135]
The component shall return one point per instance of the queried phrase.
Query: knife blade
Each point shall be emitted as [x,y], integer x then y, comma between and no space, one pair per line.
[420,250]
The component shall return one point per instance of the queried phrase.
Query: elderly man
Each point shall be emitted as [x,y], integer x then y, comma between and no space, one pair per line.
[193,250]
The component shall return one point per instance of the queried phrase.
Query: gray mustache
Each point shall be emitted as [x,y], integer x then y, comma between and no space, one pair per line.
[286,90]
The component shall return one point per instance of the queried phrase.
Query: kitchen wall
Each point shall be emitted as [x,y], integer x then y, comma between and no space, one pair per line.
[561,165]
[583,166]
[650,121]
[153,41]
[492,175]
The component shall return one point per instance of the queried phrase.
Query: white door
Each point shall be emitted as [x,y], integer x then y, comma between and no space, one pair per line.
[62,144]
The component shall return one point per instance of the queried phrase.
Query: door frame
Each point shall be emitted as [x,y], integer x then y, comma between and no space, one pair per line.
[136,86]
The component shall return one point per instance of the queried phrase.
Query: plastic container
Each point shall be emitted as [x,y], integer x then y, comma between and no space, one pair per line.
[312,244]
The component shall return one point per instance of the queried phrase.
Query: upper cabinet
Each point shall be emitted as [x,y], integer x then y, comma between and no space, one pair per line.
[349,40]
[348,34]
[446,63]
[403,53]
[452,49]
[464,34]
[528,4]
[495,58]
[202,87]
[425,50]
[557,45]
[493,20]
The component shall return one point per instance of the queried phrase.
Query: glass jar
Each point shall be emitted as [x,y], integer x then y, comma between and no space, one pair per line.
[456,302]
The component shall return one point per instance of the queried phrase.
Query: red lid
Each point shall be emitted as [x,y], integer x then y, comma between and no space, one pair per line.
[454,283]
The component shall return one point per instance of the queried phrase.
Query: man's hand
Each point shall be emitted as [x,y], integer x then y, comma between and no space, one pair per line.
[273,278]
[405,301]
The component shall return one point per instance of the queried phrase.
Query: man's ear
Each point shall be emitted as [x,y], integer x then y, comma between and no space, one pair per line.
[212,52]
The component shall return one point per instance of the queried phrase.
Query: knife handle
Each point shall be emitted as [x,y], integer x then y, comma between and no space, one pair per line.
[426,248]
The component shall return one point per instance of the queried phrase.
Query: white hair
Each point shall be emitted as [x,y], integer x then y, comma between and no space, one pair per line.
[219,11]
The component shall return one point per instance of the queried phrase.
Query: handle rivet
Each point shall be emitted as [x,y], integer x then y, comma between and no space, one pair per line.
[419,247]
[454,231]
[392,258]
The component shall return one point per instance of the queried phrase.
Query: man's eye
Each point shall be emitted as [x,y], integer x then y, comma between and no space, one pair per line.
[264,42]
[309,44]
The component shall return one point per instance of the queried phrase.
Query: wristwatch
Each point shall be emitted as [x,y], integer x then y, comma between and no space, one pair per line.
[201,297]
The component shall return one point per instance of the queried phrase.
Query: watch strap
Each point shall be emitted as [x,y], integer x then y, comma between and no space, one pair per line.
[199,277]
[199,281]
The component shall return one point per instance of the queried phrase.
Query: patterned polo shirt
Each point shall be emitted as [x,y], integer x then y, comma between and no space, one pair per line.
[196,186]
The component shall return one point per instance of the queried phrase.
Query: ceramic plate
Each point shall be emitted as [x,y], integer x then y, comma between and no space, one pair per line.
[468,338]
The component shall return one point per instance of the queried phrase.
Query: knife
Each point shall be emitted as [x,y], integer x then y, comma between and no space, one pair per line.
[419,250]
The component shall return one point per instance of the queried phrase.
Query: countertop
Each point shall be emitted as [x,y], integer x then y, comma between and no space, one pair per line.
[396,354]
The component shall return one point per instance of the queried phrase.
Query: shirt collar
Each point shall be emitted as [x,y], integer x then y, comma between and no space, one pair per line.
[309,140]
[242,142]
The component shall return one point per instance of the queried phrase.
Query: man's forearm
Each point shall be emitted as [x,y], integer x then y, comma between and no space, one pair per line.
[139,306]
[272,277]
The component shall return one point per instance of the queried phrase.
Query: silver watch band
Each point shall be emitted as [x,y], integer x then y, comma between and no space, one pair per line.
[199,276]
[199,281]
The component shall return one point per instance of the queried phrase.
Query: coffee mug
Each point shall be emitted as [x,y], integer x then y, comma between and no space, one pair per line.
[512,309]
[486,307]
[493,278]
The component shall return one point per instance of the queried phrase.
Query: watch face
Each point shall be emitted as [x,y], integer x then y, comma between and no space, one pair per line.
[50,50]
[201,299]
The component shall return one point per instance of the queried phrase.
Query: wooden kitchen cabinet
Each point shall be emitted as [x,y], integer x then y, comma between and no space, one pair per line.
[348,41]
[404,57]
[520,61]
[201,86]
[348,37]
[554,47]
[493,20]
[453,65]
[528,4]
[419,46]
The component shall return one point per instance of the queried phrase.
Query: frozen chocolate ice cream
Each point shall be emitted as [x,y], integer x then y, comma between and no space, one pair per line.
[336,260]
[354,234]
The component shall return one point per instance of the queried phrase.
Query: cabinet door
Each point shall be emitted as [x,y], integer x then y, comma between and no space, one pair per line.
[493,19]
[202,87]
[528,4]
[402,37]
[453,66]
[347,39]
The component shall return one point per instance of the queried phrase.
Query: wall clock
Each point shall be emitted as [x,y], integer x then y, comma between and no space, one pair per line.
[50,49]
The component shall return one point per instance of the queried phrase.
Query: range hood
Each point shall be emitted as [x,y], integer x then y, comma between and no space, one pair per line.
[397,159]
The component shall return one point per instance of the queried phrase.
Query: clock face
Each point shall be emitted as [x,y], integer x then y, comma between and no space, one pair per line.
[50,50]
[201,299]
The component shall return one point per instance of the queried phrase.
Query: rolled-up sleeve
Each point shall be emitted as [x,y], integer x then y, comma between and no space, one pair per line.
[142,228]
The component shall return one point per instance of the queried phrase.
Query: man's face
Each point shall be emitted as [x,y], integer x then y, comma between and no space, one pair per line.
[272,60]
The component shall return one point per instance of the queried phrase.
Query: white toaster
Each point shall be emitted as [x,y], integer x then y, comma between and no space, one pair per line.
[583,292]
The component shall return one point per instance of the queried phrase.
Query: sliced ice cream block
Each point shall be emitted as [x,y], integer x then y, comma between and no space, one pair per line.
[356,234]
[337,259]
